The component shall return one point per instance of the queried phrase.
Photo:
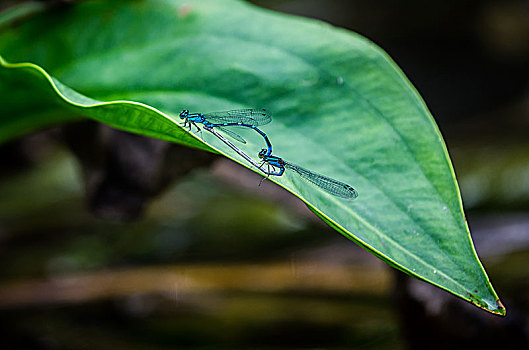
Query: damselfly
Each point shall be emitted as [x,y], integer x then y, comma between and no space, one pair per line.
[250,118]
[276,166]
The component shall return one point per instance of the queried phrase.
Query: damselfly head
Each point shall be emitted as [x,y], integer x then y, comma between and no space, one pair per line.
[262,153]
[184,114]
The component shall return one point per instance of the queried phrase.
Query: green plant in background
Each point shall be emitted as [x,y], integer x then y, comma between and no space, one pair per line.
[341,108]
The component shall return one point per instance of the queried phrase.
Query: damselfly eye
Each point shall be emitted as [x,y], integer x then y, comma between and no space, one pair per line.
[262,153]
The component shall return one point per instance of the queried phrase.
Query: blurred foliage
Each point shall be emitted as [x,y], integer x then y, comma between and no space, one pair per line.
[174,228]
[222,309]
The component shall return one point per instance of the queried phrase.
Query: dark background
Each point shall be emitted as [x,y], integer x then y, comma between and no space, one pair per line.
[197,256]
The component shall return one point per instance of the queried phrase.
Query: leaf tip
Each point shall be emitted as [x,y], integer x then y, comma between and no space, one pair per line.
[496,307]
[500,309]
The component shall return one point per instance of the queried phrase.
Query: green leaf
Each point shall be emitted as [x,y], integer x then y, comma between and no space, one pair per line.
[341,108]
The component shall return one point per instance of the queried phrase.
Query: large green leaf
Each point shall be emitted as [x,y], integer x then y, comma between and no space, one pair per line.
[341,108]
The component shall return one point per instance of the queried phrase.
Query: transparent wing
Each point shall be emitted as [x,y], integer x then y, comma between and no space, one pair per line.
[334,187]
[249,116]
[232,134]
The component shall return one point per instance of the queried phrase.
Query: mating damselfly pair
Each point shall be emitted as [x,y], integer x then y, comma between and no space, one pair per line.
[275,166]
